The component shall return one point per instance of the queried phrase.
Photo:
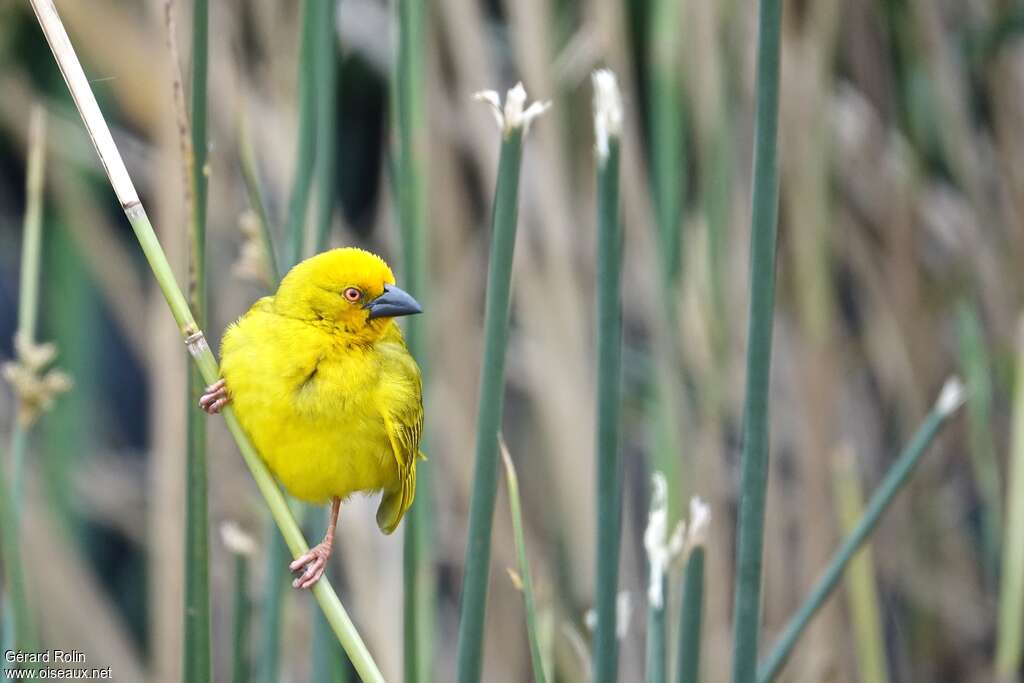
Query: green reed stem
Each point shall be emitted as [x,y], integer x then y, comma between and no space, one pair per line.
[529,602]
[240,655]
[718,194]
[32,235]
[657,650]
[412,174]
[18,620]
[668,181]
[7,623]
[691,618]
[862,594]
[764,215]
[492,396]
[82,93]
[1010,634]
[977,369]
[668,159]
[28,286]
[894,481]
[196,663]
[197,119]
[326,127]
[306,146]
[275,586]
[609,407]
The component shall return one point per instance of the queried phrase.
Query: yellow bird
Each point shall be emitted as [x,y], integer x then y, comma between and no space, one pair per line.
[320,378]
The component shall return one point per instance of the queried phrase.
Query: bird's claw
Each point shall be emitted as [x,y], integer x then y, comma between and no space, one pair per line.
[215,397]
[310,566]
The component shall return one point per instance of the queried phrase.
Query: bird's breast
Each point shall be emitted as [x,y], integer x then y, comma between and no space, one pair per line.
[316,423]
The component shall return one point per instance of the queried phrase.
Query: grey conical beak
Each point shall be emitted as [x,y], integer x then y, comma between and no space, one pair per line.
[393,303]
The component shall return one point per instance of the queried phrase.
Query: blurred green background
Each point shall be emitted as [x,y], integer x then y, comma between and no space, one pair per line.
[901,239]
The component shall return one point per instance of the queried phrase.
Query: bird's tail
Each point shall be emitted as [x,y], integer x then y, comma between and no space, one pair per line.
[393,504]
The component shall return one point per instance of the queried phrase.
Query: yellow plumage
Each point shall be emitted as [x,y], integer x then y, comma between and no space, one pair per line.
[329,393]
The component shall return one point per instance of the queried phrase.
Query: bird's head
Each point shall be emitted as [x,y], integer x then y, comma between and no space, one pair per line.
[350,289]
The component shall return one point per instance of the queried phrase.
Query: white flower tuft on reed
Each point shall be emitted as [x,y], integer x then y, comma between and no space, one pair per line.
[515,114]
[661,548]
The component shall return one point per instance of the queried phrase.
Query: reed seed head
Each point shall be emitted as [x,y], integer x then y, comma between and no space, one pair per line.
[951,397]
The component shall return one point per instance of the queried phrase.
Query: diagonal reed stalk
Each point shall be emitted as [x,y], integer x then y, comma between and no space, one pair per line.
[1010,640]
[862,594]
[608,127]
[123,187]
[514,122]
[763,227]
[410,120]
[950,399]
[529,603]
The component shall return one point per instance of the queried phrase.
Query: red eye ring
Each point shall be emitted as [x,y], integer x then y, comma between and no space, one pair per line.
[352,294]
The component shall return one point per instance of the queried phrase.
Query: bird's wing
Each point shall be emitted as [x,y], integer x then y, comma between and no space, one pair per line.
[402,408]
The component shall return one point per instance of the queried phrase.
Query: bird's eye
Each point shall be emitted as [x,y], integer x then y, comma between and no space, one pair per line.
[353,294]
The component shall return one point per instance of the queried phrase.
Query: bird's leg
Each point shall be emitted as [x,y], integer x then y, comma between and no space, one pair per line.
[215,398]
[313,564]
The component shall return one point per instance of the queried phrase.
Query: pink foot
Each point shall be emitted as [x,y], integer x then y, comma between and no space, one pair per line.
[215,398]
[312,565]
